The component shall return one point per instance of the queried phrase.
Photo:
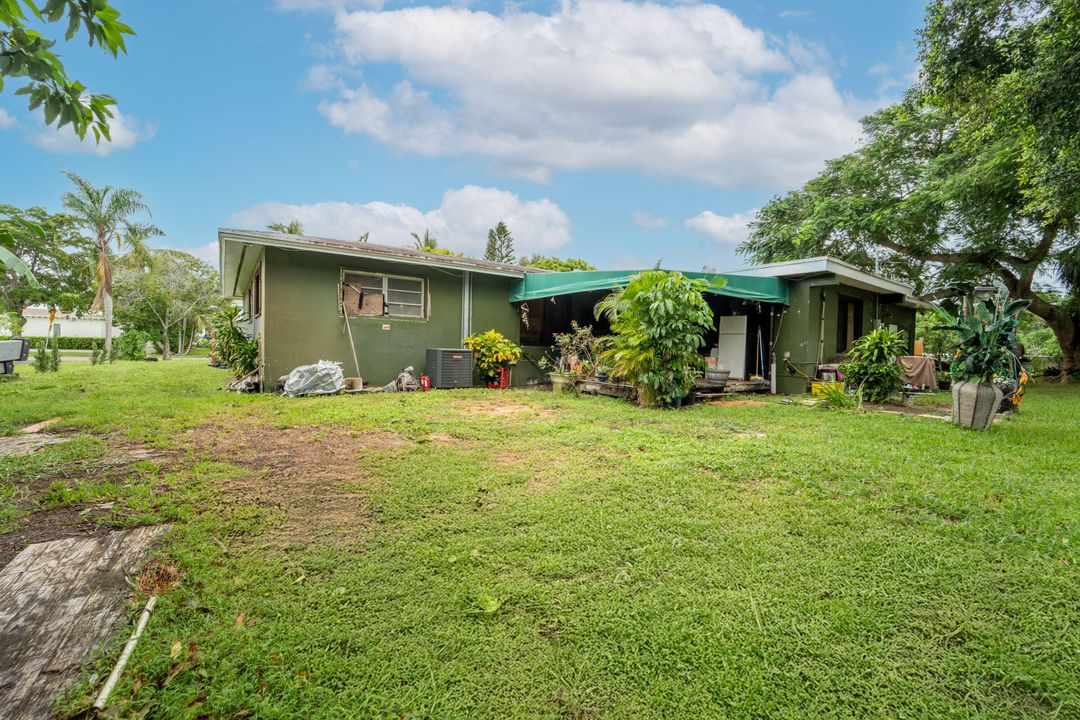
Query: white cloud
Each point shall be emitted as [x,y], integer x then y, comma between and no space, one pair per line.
[685,91]
[6,119]
[207,253]
[647,221]
[125,131]
[460,223]
[322,78]
[727,230]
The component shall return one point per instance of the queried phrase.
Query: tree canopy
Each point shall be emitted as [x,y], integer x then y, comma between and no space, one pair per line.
[26,53]
[170,297]
[973,176]
[555,264]
[51,248]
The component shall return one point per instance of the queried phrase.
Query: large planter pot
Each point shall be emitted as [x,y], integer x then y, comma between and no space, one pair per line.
[975,404]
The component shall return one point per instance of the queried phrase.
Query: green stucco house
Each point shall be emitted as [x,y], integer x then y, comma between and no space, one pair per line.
[775,322]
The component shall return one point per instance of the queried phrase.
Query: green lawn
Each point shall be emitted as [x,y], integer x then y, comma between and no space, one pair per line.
[484,554]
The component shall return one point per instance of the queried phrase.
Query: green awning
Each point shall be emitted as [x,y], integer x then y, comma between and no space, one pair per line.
[544,285]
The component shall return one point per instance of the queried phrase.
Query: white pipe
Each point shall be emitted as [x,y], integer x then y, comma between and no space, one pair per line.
[103,696]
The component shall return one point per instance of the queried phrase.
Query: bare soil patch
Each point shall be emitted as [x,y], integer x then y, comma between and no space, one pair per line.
[498,407]
[737,403]
[935,411]
[300,471]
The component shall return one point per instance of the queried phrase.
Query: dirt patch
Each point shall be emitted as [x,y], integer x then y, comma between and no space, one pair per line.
[942,411]
[501,408]
[300,471]
[446,439]
[508,458]
[737,403]
[27,444]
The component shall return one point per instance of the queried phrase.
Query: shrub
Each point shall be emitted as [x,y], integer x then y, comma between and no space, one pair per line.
[871,365]
[658,321]
[130,346]
[231,345]
[492,351]
[42,360]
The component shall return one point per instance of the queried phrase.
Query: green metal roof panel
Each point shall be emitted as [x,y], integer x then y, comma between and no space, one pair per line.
[543,285]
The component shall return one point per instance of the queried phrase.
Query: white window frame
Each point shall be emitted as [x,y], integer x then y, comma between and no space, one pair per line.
[425,298]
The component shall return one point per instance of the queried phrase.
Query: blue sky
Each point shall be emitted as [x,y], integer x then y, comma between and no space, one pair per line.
[622,133]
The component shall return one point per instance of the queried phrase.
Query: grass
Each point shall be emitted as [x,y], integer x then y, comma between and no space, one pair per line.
[525,555]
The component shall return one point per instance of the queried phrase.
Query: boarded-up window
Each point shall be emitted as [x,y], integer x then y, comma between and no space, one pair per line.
[371,294]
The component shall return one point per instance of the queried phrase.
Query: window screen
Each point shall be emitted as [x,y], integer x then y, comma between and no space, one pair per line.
[371,294]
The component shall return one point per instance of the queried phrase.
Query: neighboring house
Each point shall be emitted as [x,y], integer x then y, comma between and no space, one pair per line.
[65,324]
[773,321]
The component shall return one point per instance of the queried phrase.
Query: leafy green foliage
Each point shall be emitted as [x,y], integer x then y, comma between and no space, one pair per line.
[492,351]
[171,296]
[231,345]
[658,322]
[130,345]
[42,360]
[987,334]
[26,53]
[836,397]
[871,366]
[555,264]
[975,175]
[500,244]
[60,259]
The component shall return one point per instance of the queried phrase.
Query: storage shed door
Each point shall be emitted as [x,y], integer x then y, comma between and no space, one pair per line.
[731,349]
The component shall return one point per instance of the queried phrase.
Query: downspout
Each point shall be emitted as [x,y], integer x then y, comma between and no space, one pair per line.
[466,304]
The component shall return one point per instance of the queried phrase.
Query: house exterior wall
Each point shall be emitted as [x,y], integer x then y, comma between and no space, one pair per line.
[69,327]
[302,320]
[801,330]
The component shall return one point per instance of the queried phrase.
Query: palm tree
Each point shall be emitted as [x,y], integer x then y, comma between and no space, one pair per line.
[295,227]
[426,243]
[135,236]
[101,212]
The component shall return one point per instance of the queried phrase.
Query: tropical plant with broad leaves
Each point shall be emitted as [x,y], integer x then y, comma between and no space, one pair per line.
[871,366]
[658,322]
[232,346]
[106,213]
[987,334]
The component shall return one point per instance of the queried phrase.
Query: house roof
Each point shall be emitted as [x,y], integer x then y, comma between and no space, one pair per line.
[236,264]
[531,287]
[844,274]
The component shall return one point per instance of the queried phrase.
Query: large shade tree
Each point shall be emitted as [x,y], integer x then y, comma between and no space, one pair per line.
[105,213]
[974,176]
[56,262]
[170,296]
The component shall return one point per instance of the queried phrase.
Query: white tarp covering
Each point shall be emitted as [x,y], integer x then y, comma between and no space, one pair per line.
[322,378]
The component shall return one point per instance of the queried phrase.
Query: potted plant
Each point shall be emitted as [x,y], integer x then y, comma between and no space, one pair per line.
[987,338]
[601,372]
[492,352]
[944,380]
